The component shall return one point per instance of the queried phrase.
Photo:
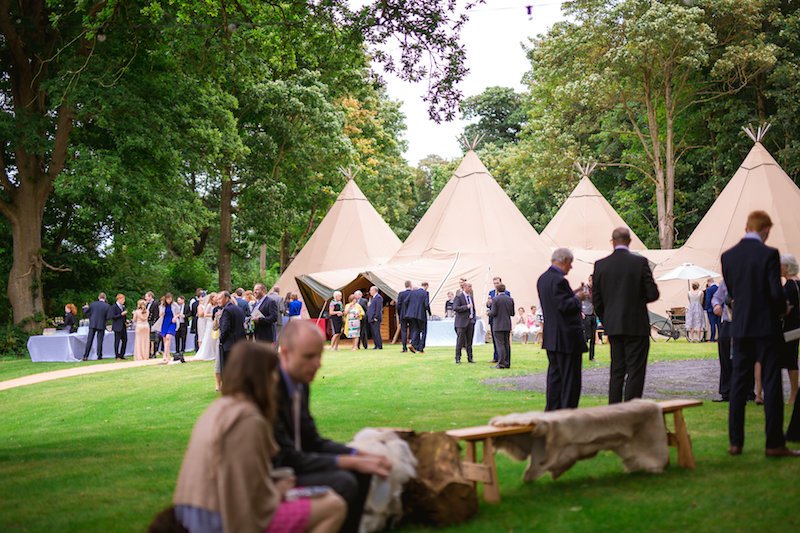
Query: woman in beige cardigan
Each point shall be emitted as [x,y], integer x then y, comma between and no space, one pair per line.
[225,481]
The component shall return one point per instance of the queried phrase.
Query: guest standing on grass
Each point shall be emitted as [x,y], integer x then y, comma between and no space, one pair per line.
[354,314]
[402,311]
[194,305]
[141,340]
[98,316]
[265,314]
[336,314]
[752,274]
[231,328]
[695,315]
[152,317]
[500,312]
[563,334]
[791,321]
[464,307]
[70,318]
[375,317]
[622,287]
[721,306]
[225,482]
[170,315]
[713,320]
[118,314]
[181,329]
[584,294]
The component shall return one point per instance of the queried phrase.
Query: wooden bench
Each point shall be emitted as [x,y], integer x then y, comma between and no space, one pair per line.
[485,471]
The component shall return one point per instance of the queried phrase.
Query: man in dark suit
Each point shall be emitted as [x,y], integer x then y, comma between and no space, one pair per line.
[241,302]
[423,333]
[402,305]
[98,316]
[264,325]
[562,334]
[464,308]
[231,328]
[181,329]
[501,311]
[713,320]
[417,316]
[492,293]
[316,460]
[117,314]
[275,295]
[752,275]
[151,305]
[623,285]
[194,303]
[720,302]
[364,332]
[375,316]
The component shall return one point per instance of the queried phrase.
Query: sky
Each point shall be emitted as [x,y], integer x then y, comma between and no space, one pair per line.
[493,38]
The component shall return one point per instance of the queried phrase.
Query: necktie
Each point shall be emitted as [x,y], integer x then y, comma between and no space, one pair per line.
[469,303]
[296,418]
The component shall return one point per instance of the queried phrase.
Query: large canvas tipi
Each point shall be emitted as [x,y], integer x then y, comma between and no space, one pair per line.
[586,219]
[351,234]
[472,230]
[760,183]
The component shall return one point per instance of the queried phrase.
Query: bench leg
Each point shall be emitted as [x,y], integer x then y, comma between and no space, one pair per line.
[684,442]
[491,490]
[469,457]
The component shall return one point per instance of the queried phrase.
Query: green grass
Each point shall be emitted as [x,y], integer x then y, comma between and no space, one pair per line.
[102,452]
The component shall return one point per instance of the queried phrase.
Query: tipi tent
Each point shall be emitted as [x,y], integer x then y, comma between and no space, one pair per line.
[472,230]
[760,183]
[351,234]
[586,219]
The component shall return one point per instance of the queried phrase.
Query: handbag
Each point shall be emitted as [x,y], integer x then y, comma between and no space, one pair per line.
[793,334]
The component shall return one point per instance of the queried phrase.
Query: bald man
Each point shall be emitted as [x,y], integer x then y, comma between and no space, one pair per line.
[316,460]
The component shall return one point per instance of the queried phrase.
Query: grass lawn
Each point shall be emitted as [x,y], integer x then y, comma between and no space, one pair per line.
[102,452]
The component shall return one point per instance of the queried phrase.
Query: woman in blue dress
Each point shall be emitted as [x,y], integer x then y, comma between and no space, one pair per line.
[171,313]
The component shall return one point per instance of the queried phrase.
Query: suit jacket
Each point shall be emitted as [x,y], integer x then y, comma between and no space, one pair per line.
[462,310]
[563,328]
[752,275]
[317,453]
[153,313]
[193,305]
[364,303]
[186,312]
[231,326]
[418,304]
[622,287]
[264,328]
[97,313]
[375,309]
[501,312]
[116,316]
[402,303]
[243,305]
[492,294]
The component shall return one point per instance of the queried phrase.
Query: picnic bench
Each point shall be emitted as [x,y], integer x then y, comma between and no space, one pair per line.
[485,471]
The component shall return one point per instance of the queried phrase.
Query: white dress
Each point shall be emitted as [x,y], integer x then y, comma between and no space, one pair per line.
[209,346]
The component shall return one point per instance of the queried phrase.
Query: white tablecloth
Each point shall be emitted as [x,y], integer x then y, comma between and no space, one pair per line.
[66,347]
[443,333]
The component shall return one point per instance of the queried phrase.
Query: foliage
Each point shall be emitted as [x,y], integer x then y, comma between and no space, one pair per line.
[14,340]
[500,115]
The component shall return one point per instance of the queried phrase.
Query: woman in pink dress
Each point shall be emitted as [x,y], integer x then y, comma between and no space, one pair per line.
[141,345]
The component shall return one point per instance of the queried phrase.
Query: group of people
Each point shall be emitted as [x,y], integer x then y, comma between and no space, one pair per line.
[413,310]
[358,320]
[270,445]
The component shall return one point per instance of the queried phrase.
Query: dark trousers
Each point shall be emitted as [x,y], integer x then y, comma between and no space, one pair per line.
[415,333]
[494,343]
[793,431]
[464,340]
[92,332]
[405,326]
[503,344]
[713,326]
[628,364]
[155,340]
[724,352]
[589,328]
[375,329]
[120,343]
[563,380]
[362,338]
[351,486]
[180,340]
[746,352]
[423,333]
[223,355]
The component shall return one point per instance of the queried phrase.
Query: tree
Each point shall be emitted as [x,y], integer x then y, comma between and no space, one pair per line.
[500,113]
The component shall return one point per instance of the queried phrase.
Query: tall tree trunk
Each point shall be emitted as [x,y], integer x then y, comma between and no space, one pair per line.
[285,242]
[225,224]
[25,278]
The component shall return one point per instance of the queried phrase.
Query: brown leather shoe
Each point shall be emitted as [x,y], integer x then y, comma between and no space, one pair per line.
[783,451]
[735,450]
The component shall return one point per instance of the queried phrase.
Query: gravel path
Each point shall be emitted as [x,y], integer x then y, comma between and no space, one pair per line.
[76,371]
[666,379]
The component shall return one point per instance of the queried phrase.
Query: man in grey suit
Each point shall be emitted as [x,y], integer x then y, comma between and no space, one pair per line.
[501,311]
[464,307]
[623,285]
[562,334]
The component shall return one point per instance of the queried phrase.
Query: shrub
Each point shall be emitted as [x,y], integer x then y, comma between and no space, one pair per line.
[14,340]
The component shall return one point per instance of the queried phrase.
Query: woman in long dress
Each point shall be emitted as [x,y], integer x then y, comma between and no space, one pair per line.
[209,348]
[141,344]
[352,325]
[695,316]
[168,326]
